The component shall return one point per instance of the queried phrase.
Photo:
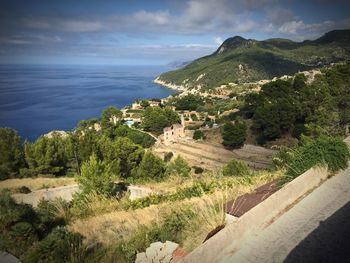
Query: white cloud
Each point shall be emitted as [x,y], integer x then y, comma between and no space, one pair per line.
[80,26]
[292,27]
[218,40]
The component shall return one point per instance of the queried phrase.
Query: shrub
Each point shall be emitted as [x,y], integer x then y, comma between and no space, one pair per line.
[168,156]
[24,190]
[47,217]
[151,167]
[179,167]
[198,135]
[298,130]
[194,117]
[325,150]
[59,246]
[198,170]
[236,168]
[97,176]
[234,135]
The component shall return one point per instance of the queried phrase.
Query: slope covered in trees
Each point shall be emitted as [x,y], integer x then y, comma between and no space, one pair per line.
[243,60]
[293,106]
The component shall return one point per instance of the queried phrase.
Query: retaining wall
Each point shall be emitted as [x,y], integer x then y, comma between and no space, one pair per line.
[228,240]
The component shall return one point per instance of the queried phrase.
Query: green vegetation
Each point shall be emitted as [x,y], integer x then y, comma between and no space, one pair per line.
[37,235]
[188,102]
[179,167]
[240,60]
[234,135]
[198,135]
[293,106]
[236,168]
[327,151]
[198,170]
[151,167]
[58,246]
[155,119]
[108,115]
[11,153]
[98,176]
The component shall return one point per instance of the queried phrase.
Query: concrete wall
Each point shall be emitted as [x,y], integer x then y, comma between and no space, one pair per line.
[228,240]
[66,193]
[33,198]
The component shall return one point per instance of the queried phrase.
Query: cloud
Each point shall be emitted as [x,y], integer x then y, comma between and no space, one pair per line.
[80,26]
[279,15]
[218,40]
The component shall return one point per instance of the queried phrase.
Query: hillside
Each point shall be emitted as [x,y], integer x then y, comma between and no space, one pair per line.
[245,60]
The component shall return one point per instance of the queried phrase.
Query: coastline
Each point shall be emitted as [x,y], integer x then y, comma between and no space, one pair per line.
[169,85]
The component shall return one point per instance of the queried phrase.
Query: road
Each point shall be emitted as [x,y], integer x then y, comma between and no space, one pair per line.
[317,229]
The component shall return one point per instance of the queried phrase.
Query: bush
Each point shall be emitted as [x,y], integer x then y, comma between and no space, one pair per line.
[298,130]
[234,135]
[179,167]
[236,168]
[151,167]
[24,190]
[97,176]
[168,156]
[329,151]
[47,217]
[198,135]
[59,246]
[198,170]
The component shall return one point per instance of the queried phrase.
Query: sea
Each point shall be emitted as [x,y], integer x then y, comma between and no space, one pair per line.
[36,99]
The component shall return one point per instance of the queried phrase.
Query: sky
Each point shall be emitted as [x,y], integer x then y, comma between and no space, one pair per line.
[133,32]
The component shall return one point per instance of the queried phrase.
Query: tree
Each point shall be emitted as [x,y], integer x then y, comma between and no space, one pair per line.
[236,168]
[234,135]
[47,156]
[144,103]
[189,102]
[151,167]
[11,153]
[156,118]
[110,115]
[198,135]
[179,167]
[97,176]
[266,119]
[129,154]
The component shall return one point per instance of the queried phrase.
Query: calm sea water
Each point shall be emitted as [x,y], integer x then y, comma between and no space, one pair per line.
[37,99]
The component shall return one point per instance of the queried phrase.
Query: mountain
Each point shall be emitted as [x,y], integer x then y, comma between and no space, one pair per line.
[245,60]
[178,64]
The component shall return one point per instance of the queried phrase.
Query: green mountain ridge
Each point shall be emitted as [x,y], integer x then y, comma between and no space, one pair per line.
[242,60]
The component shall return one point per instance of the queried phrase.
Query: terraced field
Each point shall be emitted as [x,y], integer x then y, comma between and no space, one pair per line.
[214,157]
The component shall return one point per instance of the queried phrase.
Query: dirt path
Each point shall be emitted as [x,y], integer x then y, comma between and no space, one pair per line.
[303,224]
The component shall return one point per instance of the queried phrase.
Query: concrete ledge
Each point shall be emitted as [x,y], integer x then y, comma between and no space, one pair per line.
[228,240]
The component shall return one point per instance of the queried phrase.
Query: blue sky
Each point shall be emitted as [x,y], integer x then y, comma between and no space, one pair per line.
[152,32]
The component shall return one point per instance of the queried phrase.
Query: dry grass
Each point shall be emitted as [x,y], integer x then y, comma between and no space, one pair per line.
[120,225]
[36,183]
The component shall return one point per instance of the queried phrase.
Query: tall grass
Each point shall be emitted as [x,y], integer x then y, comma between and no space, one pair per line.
[327,151]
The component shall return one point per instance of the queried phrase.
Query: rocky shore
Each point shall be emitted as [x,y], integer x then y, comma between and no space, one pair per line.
[169,85]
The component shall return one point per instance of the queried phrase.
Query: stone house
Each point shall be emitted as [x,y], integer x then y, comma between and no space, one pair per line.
[136,105]
[154,103]
[174,132]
